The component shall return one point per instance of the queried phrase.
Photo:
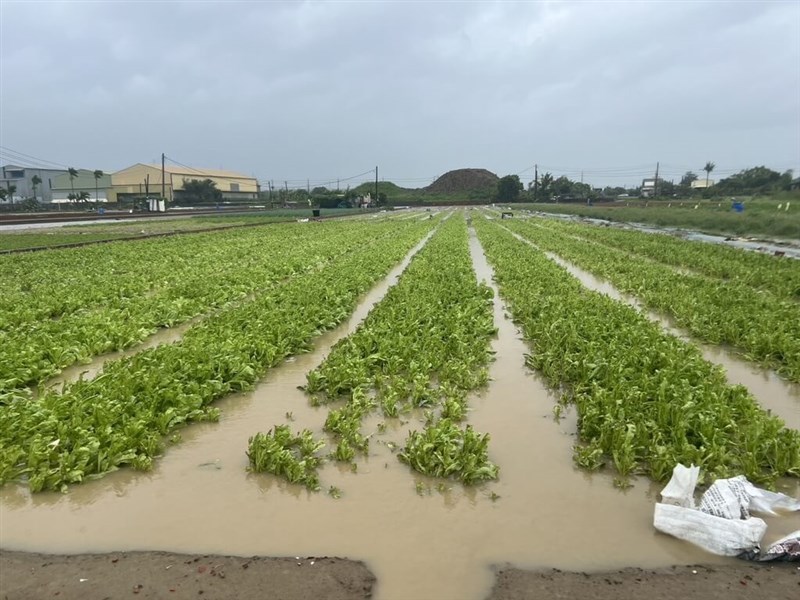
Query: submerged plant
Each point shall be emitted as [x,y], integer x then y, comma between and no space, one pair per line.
[281,453]
[445,450]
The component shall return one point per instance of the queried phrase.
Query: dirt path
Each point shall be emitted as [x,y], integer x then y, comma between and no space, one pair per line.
[26,576]
[179,576]
[729,582]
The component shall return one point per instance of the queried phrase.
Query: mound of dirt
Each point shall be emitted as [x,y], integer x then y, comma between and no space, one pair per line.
[464,180]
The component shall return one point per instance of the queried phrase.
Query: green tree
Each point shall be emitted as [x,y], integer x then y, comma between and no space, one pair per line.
[545,191]
[97,175]
[73,173]
[8,193]
[508,188]
[687,179]
[35,182]
[708,168]
[200,191]
[754,180]
[80,197]
[30,205]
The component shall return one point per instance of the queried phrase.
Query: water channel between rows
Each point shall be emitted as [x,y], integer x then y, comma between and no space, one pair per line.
[773,393]
[440,543]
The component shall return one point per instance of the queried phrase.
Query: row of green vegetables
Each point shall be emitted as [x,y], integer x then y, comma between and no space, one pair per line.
[425,346]
[26,240]
[238,266]
[763,326]
[779,275]
[56,283]
[645,399]
[121,416]
[94,232]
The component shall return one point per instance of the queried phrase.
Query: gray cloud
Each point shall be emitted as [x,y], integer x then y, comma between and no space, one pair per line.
[325,90]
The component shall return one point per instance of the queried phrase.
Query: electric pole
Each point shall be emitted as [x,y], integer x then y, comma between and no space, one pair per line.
[655,186]
[163,181]
[535,182]
[376,186]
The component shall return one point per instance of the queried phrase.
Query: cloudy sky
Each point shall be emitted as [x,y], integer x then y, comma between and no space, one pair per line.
[320,91]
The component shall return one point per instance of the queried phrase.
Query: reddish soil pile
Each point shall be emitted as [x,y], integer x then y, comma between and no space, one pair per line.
[464,180]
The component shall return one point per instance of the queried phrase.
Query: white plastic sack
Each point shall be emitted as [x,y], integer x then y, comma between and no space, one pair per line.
[728,498]
[722,523]
[725,537]
[680,489]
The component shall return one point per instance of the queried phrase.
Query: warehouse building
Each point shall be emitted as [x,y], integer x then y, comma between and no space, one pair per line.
[22,179]
[142,180]
[82,183]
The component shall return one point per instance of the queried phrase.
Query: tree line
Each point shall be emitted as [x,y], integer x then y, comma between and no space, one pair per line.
[755,180]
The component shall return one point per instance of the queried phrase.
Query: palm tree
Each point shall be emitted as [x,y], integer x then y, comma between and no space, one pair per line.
[12,189]
[708,168]
[35,181]
[97,175]
[73,173]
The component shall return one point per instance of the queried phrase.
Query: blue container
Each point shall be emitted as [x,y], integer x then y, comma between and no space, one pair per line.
[738,206]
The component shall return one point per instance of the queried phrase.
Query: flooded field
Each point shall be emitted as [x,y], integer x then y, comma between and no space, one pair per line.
[419,536]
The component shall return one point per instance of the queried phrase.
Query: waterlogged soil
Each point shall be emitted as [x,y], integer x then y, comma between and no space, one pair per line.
[778,582]
[27,576]
[418,537]
[180,576]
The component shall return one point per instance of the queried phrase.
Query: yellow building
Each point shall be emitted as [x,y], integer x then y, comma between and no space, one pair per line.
[142,180]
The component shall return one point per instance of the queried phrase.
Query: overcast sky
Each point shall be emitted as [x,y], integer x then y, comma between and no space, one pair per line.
[329,90]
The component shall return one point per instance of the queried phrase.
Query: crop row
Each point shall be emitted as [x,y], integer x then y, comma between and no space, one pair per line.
[57,283]
[120,416]
[425,345]
[764,327]
[781,276]
[32,352]
[644,398]
[106,231]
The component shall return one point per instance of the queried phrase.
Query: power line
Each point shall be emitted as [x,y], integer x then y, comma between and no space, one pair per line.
[10,152]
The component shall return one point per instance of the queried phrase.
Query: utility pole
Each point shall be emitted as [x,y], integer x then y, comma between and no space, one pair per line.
[376,186]
[337,185]
[308,186]
[535,182]
[163,181]
[655,187]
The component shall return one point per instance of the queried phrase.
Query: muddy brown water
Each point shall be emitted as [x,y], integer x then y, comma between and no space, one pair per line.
[420,540]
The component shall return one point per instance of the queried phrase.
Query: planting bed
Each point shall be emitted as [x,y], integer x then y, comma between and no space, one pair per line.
[368,390]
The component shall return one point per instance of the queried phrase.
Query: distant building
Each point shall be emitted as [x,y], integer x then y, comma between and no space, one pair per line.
[22,179]
[701,184]
[83,182]
[145,180]
[648,187]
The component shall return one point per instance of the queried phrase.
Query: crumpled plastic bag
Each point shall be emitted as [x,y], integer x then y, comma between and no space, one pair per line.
[786,549]
[722,524]
[724,537]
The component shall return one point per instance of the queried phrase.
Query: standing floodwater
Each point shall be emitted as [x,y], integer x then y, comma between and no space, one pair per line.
[419,540]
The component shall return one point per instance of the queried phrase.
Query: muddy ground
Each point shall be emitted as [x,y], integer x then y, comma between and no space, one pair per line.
[26,576]
[179,576]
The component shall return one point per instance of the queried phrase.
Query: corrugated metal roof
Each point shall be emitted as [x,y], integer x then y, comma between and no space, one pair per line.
[196,172]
